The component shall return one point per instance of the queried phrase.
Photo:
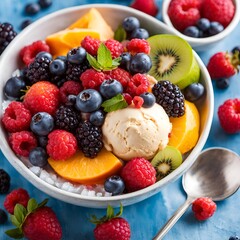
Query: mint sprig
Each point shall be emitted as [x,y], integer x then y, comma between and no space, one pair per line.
[104,61]
[120,34]
[114,103]
[20,215]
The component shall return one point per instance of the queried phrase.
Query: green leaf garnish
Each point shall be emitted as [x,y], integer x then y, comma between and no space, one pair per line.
[120,34]
[114,103]
[104,61]
[32,205]
[14,221]
[19,212]
[15,233]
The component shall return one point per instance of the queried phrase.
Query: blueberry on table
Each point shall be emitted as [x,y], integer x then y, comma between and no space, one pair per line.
[13,88]
[130,23]
[236,49]
[25,23]
[203,24]
[3,216]
[140,63]
[141,33]
[194,91]
[192,31]
[58,67]
[114,185]
[215,28]
[234,238]
[222,83]
[38,157]
[4,181]
[148,99]
[32,8]
[45,3]
[110,88]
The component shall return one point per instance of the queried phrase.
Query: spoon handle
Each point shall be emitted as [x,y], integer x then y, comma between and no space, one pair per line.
[181,210]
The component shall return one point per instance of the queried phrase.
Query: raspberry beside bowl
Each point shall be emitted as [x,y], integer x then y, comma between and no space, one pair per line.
[202,44]
[113,14]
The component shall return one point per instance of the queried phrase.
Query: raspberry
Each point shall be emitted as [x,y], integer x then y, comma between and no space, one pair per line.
[120,75]
[69,88]
[29,52]
[138,84]
[203,208]
[220,66]
[42,96]
[221,11]
[138,101]
[146,6]
[19,196]
[22,142]
[229,115]
[137,174]
[128,98]
[16,117]
[4,181]
[61,145]
[92,78]
[138,46]
[115,47]
[91,45]
[184,13]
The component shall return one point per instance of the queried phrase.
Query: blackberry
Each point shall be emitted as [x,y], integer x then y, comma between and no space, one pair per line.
[170,97]
[4,181]
[74,71]
[3,216]
[58,80]
[67,118]
[7,34]
[89,138]
[38,70]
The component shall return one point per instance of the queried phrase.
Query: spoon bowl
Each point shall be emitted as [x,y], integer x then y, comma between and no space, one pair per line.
[214,174]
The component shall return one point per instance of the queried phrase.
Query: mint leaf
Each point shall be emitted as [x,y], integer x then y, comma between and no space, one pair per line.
[120,34]
[15,233]
[116,61]
[93,62]
[114,103]
[32,205]
[14,221]
[19,212]
[104,56]
[110,212]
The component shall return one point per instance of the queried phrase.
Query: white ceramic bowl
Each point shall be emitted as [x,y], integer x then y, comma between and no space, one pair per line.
[113,14]
[202,44]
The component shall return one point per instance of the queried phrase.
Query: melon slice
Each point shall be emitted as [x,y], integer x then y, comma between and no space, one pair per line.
[85,170]
[94,20]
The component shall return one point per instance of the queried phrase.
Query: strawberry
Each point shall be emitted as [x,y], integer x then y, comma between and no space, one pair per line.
[35,222]
[42,96]
[222,65]
[146,6]
[184,13]
[221,11]
[111,226]
[229,115]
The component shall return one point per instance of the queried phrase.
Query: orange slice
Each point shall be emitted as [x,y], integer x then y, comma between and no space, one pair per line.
[85,170]
[185,129]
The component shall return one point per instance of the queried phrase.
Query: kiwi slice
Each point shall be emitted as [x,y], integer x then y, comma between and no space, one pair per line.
[166,160]
[173,59]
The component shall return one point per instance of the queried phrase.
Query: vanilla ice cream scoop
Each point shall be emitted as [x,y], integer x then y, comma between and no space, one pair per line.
[133,132]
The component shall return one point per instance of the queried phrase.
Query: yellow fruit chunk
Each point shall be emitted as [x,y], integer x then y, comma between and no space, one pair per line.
[185,129]
[94,20]
[61,42]
[85,170]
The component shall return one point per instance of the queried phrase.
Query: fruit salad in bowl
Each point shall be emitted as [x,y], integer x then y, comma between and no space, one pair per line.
[102,104]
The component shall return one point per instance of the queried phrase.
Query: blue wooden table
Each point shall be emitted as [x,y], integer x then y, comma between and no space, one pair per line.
[148,216]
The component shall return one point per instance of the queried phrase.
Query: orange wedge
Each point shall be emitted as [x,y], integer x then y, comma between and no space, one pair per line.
[85,170]
[185,129]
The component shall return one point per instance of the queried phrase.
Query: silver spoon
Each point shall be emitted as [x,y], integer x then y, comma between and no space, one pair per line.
[214,174]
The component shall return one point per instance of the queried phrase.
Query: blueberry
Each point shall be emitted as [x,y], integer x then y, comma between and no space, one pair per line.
[141,33]
[234,238]
[3,216]
[42,123]
[63,58]
[222,83]
[13,88]
[140,63]
[203,24]
[89,100]
[32,8]
[45,55]
[38,157]
[25,23]
[114,185]
[236,49]
[57,67]
[42,141]
[110,88]
[45,3]
[149,99]
[76,55]
[125,60]
[97,118]
[193,92]
[191,31]
[215,28]
[71,100]
[130,24]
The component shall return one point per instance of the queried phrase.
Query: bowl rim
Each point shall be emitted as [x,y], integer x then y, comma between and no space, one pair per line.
[207,40]
[69,196]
